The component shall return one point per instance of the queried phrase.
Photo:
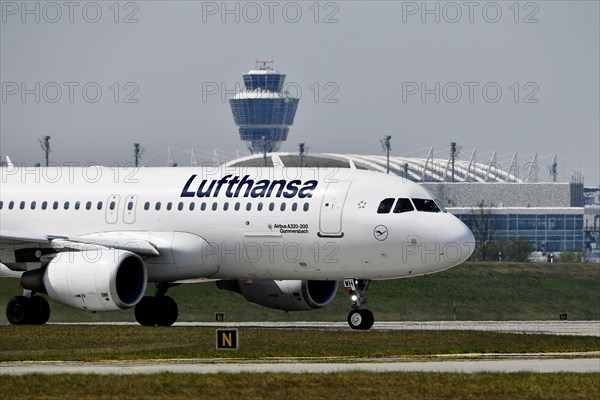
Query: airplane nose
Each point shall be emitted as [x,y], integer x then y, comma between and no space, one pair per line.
[465,239]
[456,240]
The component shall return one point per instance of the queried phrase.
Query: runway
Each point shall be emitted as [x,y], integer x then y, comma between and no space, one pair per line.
[574,328]
[457,363]
[534,364]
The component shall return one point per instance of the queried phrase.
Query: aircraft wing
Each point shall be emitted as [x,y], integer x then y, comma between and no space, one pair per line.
[12,242]
[16,238]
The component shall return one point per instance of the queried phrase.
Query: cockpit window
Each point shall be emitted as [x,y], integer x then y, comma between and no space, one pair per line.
[403,205]
[385,206]
[426,205]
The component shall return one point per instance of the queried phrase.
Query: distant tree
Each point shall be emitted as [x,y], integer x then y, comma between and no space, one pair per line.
[484,227]
[515,249]
[571,256]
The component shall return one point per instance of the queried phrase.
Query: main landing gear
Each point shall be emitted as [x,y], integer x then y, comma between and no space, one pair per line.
[159,309]
[28,309]
[359,318]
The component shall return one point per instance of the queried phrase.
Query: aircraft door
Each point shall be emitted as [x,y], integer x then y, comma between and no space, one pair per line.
[129,209]
[112,209]
[332,206]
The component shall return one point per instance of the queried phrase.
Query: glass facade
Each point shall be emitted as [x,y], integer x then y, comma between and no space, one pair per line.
[266,82]
[248,112]
[265,112]
[546,232]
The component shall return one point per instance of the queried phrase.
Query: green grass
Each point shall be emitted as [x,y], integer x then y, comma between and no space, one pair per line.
[356,385]
[481,291]
[87,343]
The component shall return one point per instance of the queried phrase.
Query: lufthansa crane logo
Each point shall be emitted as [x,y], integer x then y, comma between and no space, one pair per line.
[380,232]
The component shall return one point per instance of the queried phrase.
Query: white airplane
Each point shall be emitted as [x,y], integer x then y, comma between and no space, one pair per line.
[93,237]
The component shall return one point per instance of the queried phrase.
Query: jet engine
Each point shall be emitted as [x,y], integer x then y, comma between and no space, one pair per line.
[94,280]
[288,295]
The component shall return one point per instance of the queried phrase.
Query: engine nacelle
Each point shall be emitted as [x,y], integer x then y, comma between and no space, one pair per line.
[285,295]
[103,280]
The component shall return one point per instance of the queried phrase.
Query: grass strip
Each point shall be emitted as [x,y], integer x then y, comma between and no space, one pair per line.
[396,385]
[90,343]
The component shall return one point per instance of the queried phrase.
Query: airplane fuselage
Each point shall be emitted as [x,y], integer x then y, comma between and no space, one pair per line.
[240,223]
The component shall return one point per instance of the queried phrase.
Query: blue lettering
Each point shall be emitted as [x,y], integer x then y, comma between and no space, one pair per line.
[307,190]
[245,187]
[292,189]
[260,189]
[202,192]
[185,192]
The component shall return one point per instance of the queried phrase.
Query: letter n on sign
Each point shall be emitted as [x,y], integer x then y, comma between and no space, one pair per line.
[228,339]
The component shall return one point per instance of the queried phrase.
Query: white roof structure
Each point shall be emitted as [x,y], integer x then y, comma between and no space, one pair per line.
[428,169]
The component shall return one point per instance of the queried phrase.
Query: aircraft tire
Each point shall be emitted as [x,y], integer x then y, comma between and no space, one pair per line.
[145,311]
[39,310]
[18,310]
[361,319]
[168,311]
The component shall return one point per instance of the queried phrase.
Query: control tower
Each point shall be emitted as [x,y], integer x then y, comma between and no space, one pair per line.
[262,110]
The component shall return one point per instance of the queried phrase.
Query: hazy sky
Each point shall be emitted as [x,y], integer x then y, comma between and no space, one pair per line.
[506,76]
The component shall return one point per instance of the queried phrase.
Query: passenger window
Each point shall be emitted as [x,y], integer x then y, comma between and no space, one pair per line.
[203,206]
[385,206]
[11,205]
[237,206]
[44,205]
[66,205]
[180,206]
[282,207]
[33,205]
[130,205]
[22,205]
[271,206]
[426,205]
[169,206]
[1,204]
[403,205]
[248,206]
[226,206]
[306,206]
[157,206]
[294,206]
[192,206]
[259,207]
[214,206]
[77,205]
[112,205]
[147,205]
[88,205]
[55,205]
[99,206]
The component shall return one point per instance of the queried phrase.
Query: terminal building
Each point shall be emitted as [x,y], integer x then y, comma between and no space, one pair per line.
[549,214]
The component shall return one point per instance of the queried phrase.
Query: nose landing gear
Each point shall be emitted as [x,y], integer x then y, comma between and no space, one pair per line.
[359,318]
